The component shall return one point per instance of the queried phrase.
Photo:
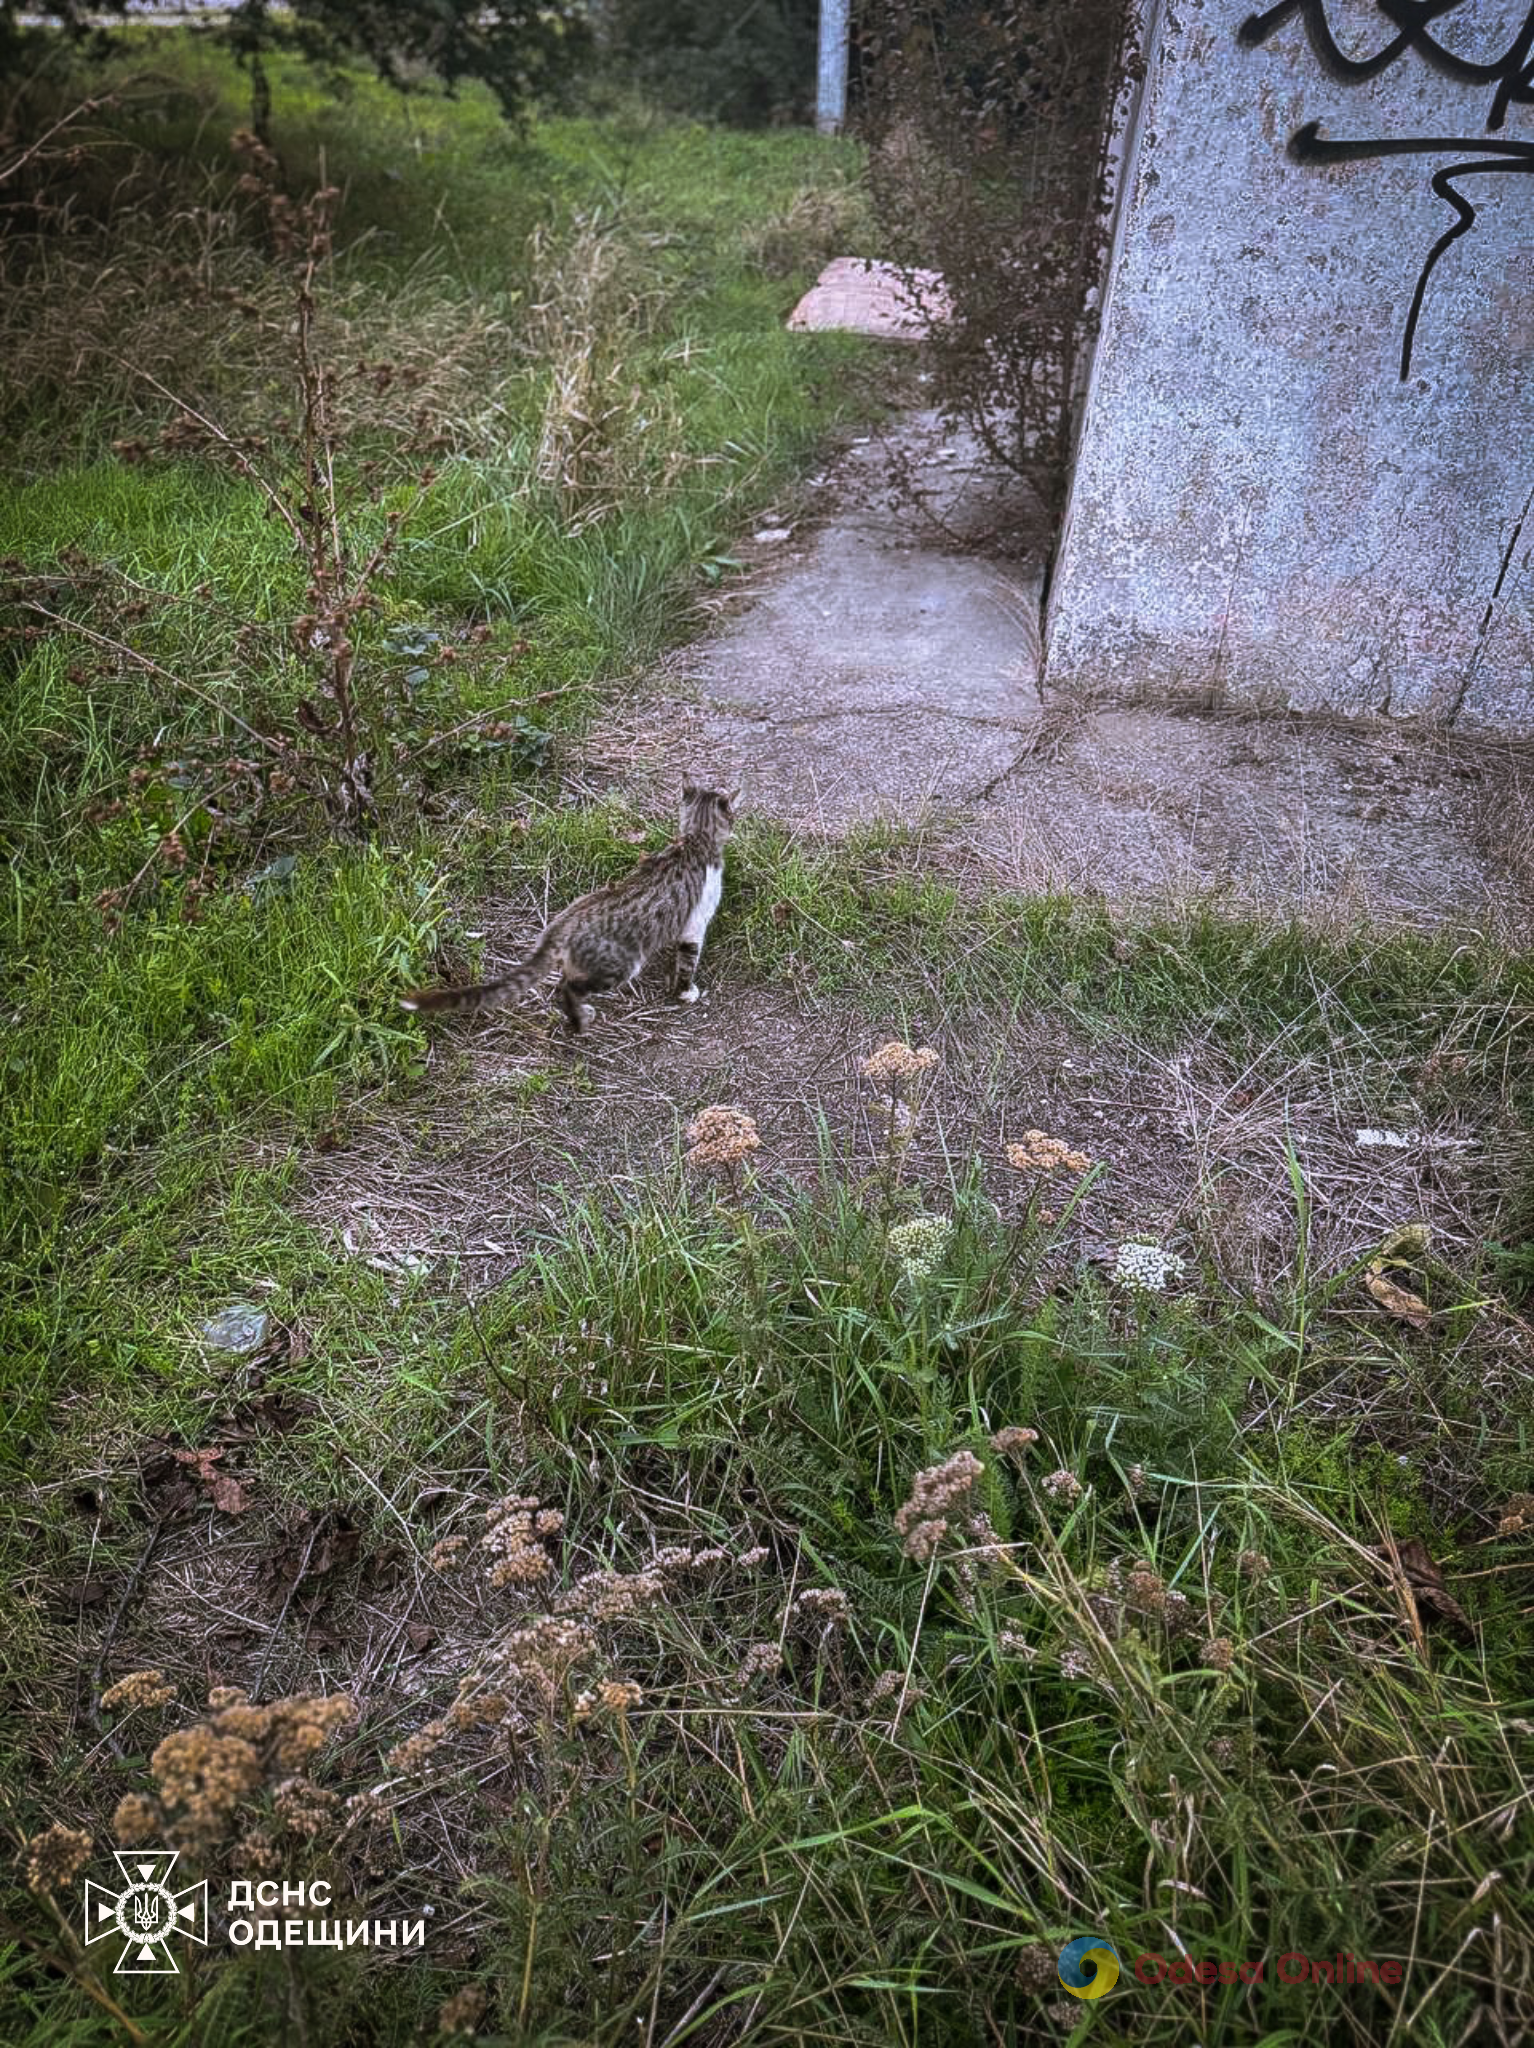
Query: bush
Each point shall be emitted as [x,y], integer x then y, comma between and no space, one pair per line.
[989,125]
[750,66]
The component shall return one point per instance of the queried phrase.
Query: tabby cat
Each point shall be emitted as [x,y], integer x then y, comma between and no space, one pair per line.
[606,936]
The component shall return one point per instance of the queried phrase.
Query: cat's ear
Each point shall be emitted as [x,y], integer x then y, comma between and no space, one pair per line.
[689,790]
[731,799]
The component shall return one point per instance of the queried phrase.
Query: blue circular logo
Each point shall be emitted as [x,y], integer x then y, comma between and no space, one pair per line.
[1089,1966]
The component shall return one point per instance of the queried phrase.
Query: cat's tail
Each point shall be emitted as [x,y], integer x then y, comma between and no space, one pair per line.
[485,995]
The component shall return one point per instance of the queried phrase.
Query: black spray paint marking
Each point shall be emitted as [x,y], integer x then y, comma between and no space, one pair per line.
[1511,74]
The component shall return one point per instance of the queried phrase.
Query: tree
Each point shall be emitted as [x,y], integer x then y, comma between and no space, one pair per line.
[524,50]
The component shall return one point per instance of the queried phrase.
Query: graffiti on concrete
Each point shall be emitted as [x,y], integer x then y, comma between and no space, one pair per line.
[1510,75]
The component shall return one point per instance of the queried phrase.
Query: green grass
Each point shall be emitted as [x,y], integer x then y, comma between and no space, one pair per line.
[1113,1719]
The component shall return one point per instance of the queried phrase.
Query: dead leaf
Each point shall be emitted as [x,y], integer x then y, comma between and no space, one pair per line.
[311,1545]
[1410,1561]
[222,1488]
[782,911]
[276,1412]
[82,1592]
[1407,1241]
[1396,1301]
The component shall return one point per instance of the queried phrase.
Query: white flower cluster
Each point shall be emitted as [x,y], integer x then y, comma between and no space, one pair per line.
[919,1244]
[1147,1266]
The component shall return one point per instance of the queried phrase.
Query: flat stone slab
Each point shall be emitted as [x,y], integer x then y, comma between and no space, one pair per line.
[883,669]
[861,296]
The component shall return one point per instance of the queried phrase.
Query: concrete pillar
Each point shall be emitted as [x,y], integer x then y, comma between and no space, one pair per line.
[1304,473]
[831,69]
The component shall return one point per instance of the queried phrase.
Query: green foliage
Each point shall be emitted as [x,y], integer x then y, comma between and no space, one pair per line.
[744,65]
[521,52]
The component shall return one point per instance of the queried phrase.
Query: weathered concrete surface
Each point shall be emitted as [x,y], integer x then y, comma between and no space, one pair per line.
[1327,822]
[879,663]
[889,669]
[1262,509]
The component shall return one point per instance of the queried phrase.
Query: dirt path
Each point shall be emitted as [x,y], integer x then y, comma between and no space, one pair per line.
[882,663]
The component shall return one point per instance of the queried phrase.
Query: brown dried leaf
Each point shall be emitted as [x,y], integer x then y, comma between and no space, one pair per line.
[222,1488]
[1412,1563]
[1397,1301]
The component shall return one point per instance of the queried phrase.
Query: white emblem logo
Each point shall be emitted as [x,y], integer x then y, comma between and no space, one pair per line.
[146,1912]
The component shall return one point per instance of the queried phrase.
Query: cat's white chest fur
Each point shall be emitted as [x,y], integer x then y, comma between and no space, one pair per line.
[707,903]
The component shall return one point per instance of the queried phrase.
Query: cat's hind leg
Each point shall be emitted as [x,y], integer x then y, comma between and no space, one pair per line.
[591,971]
[684,972]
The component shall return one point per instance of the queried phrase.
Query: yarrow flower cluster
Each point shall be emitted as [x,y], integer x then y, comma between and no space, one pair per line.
[895,1066]
[140,1689]
[1517,1516]
[203,1774]
[617,1696]
[1147,1267]
[1039,1153]
[721,1135]
[56,1857]
[514,1533]
[1012,1441]
[919,1245]
[937,1492]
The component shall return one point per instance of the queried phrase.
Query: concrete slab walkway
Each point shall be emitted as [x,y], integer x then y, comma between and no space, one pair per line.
[884,664]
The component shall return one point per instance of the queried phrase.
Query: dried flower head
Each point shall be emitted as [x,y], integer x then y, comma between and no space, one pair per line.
[447,1554]
[56,1857]
[937,1492]
[1063,1486]
[1041,1154]
[514,1534]
[1254,1564]
[537,1660]
[1219,1653]
[1012,1442]
[1145,1589]
[1517,1516]
[611,1596]
[885,1686]
[919,1245]
[135,1820]
[304,1808]
[617,1696]
[825,1603]
[721,1135]
[1147,1267]
[897,1067]
[462,2013]
[140,1689]
[1035,1967]
[416,1751]
[762,1660]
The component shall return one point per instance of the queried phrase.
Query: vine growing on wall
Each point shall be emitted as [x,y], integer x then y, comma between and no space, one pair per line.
[989,123]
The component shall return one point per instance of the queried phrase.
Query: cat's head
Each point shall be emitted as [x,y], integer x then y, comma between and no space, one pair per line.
[708,810]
